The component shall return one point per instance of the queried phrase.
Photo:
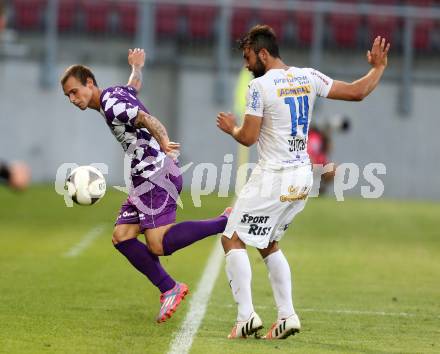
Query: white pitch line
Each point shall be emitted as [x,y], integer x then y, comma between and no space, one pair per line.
[85,242]
[199,301]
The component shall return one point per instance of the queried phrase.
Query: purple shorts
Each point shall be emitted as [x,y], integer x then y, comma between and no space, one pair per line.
[156,207]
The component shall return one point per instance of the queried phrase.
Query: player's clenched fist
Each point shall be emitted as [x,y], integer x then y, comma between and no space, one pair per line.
[226,122]
[136,57]
[378,55]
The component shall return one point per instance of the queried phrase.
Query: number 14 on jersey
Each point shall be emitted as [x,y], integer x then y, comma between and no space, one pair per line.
[300,118]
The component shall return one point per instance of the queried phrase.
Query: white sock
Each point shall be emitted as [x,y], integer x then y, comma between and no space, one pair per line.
[280,278]
[238,270]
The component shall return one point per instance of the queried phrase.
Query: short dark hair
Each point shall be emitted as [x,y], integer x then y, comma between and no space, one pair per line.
[80,72]
[259,37]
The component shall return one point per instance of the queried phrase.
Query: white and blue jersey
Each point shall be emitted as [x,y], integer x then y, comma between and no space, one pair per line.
[284,99]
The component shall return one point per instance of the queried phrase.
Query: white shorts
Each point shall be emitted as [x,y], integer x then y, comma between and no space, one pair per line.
[268,203]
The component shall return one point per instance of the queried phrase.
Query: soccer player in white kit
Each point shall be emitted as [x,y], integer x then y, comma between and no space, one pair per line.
[280,102]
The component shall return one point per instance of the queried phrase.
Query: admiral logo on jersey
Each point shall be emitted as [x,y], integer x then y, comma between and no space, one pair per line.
[297,91]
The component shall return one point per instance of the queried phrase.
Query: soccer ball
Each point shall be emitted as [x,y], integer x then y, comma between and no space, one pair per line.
[85,185]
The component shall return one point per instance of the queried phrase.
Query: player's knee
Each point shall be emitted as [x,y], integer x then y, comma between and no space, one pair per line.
[232,243]
[226,242]
[116,237]
[271,248]
[156,248]
[119,236]
[124,232]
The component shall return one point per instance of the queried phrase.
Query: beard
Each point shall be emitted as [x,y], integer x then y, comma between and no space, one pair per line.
[259,69]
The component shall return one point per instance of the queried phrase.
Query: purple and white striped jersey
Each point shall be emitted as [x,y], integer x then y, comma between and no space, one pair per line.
[120,106]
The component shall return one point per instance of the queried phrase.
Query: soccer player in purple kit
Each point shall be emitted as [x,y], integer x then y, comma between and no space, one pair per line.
[155,179]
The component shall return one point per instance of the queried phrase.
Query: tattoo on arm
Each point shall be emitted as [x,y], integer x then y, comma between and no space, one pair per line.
[154,126]
[157,127]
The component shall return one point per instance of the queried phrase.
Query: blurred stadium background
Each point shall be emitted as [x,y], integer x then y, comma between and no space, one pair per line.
[192,70]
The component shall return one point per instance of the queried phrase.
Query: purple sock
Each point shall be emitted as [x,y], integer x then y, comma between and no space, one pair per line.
[146,263]
[188,232]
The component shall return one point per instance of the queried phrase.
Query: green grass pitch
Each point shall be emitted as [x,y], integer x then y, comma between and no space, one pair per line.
[366,280]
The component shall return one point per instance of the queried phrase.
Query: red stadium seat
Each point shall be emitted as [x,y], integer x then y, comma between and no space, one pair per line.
[380,25]
[67,14]
[201,20]
[96,15]
[241,22]
[423,3]
[423,28]
[422,35]
[345,27]
[276,19]
[29,14]
[304,27]
[128,16]
[167,20]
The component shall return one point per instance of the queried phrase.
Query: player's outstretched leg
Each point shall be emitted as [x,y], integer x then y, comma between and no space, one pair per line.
[280,278]
[186,233]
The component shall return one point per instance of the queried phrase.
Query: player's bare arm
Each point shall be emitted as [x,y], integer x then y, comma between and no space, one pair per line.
[356,91]
[247,134]
[156,128]
[136,59]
